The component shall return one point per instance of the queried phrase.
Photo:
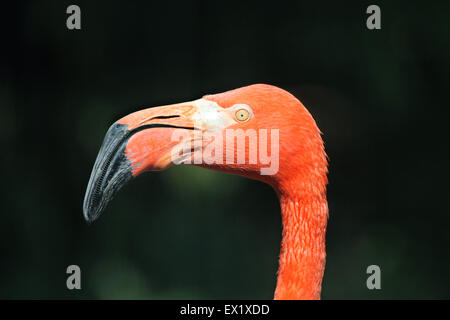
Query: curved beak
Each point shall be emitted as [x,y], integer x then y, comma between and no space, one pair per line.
[149,140]
[136,143]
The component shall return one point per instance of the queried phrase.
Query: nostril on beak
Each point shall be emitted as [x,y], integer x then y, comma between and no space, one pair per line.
[158,117]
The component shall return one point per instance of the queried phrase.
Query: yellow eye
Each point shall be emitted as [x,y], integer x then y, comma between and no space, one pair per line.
[242,115]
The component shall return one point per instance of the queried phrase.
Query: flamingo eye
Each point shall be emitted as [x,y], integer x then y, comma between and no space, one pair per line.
[242,115]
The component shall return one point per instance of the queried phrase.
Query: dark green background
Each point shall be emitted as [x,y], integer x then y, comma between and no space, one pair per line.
[380,97]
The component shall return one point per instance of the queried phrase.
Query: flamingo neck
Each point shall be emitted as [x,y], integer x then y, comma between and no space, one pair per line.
[302,256]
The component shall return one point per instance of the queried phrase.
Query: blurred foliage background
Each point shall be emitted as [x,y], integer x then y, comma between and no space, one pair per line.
[380,97]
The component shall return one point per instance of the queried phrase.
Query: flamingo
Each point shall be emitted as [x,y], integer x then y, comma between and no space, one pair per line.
[144,141]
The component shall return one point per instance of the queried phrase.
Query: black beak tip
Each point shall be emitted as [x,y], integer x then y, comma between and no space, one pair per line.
[111,171]
[89,216]
[91,211]
[86,216]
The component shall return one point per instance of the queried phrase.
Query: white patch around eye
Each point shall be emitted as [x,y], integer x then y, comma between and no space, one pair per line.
[239,106]
[242,106]
[210,116]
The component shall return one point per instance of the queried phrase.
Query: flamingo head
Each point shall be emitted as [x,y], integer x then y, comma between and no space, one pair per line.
[259,131]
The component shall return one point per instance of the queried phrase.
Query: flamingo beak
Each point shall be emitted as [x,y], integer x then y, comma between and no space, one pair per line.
[150,140]
[136,143]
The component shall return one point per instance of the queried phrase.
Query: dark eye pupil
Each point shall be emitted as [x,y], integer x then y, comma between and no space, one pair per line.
[242,115]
